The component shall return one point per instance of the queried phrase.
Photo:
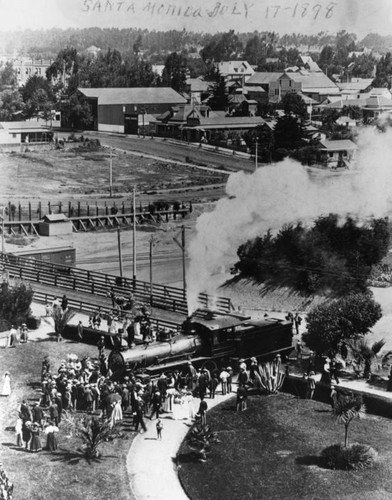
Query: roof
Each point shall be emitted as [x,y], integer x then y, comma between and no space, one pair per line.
[342,145]
[254,88]
[198,85]
[13,127]
[311,81]
[229,122]
[134,95]
[361,85]
[235,68]
[372,102]
[263,78]
[55,218]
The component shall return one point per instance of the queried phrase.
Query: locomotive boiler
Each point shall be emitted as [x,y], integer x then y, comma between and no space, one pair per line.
[209,339]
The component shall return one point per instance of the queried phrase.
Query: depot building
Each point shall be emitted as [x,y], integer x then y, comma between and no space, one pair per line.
[126,110]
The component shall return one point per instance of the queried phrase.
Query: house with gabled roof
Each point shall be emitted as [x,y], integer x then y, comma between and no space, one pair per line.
[336,153]
[122,109]
[239,71]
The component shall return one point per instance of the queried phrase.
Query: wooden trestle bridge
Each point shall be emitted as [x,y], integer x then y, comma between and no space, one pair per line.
[92,222]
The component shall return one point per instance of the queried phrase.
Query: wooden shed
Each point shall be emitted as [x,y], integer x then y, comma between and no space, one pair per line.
[55,225]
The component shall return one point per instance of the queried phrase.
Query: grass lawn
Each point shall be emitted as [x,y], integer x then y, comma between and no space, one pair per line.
[64,474]
[271,451]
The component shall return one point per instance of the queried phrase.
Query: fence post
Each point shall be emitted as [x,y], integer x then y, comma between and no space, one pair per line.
[78,208]
[60,207]
[49,208]
[74,284]
[19,212]
[9,211]
[96,209]
[30,210]
[39,210]
[69,209]
[88,210]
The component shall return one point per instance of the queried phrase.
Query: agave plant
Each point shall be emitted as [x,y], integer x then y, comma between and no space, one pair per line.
[367,355]
[199,440]
[60,320]
[346,410]
[271,377]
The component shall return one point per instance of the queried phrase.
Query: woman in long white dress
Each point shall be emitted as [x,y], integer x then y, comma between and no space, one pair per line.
[6,391]
[117,414]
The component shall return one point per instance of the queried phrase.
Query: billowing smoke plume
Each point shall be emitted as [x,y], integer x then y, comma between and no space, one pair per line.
[283,193]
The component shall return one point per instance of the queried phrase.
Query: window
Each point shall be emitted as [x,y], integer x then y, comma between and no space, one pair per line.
[331,155]
[276,91]
[14,136]
[290,83]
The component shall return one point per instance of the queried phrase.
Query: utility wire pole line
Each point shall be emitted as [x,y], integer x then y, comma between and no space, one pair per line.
[111,174]
[134,235]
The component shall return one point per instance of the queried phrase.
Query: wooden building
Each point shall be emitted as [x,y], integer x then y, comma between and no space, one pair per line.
[122,109]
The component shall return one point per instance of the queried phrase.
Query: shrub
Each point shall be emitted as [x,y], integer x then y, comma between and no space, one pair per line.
[354,457]
[33,322]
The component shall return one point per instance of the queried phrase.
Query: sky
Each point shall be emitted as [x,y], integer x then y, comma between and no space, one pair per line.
[282,16]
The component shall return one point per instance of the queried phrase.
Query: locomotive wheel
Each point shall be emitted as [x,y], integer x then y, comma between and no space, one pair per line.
[210,365]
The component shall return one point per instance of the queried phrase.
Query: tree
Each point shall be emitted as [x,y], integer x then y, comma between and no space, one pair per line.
[255,50]
[60,320]
[15,302]
[288,132]
[219,97]
[293,104]
[222,47]
[175,72]
[329,117]
[38,96]
[349,318]
[8,78]
[11,104]
[384,72]
[354,112]
[346,410]
[367,354]
[76,113]
[63,68]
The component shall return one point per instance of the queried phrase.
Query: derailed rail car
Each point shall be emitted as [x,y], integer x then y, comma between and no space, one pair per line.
[209,338]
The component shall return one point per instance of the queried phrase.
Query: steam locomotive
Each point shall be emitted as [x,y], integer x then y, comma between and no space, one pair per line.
[207,339]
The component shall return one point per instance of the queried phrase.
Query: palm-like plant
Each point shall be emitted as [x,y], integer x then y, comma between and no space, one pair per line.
[346,410]
[93,432]
[61,319]
[367,354]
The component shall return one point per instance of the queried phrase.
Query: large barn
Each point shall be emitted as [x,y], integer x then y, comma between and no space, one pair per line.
[122,110]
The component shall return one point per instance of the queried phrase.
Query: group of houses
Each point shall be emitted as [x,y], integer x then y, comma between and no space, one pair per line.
[161,111]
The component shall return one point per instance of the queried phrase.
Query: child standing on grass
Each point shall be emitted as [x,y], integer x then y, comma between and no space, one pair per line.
[159,427]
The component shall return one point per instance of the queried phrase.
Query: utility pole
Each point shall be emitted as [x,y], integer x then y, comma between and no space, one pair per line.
[134,235]
[111,174]
[151,246]
[181,244]
[3,209]
[119,250]
[183,258]
[256,153]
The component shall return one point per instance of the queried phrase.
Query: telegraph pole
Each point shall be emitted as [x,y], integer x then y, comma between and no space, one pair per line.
[134,235]
[111,174]
[119,250]
[183,258]
[256,153]
[151,246]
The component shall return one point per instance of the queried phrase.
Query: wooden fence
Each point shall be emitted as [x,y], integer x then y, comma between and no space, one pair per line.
[95,283]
